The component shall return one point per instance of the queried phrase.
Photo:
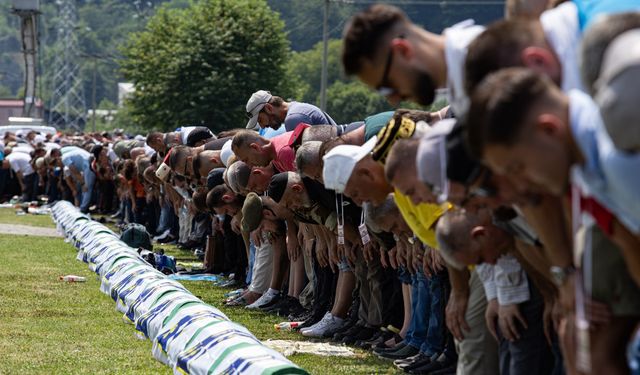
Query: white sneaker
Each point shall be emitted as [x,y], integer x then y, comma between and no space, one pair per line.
[263,300]
[328,324]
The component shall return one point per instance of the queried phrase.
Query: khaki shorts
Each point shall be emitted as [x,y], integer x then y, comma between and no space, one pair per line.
[611,282]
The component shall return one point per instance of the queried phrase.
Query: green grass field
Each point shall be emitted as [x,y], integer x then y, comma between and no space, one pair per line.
[52,327]
[8,216]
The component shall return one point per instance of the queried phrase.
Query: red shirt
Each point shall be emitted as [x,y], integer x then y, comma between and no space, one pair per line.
[285,160]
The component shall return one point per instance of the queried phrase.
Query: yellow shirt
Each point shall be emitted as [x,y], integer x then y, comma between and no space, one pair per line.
[421,218]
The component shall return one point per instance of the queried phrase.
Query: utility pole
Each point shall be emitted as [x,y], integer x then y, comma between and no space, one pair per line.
[93,93]
[325,53]
[28,12]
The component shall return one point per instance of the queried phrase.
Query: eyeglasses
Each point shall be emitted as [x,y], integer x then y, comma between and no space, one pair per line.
[250,113]
[384,88]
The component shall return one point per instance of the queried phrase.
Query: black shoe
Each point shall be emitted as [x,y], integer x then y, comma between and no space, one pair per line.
[315,318]
[379,337]
[273,301]
[352,331]
[273,309]
[406,352]
[382,346]
[365,333]
[397,347]
[418,361]
[302,316]
[290,304]
[441,363]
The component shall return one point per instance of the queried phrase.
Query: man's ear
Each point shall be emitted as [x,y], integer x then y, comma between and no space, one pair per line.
[256,171]
[268,214]
[549,124]
[254,146]
[403,47]
[297,188]
[478,232]
[541,60]
[227,198]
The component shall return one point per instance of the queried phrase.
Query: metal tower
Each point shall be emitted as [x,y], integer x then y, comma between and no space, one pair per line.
[67,108]
[28,11]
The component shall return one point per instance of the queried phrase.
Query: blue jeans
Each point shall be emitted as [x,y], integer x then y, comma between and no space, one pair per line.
[89,181]
[420,302]
[252,258]
[437,333]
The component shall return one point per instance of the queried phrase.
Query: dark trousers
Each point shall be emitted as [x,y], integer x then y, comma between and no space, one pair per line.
[30,181]
[531,354]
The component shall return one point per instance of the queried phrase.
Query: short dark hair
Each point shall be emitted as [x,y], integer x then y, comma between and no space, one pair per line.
[276,101]
[178,154]
[498,47]
[401,156]
[363,34]
[214,197]
[153,135]
[500,105]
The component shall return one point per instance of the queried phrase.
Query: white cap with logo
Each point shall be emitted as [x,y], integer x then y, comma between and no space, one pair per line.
[255,105]
[340,161]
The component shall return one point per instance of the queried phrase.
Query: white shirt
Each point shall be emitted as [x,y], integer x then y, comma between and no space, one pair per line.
[506,281]
[184,133]
[457,40]
[20,162]
[562,30]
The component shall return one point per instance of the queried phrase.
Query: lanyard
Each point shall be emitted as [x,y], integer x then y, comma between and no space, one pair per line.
[362,228]
[340,218]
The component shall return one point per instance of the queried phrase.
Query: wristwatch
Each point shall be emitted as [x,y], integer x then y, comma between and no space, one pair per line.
[560,274]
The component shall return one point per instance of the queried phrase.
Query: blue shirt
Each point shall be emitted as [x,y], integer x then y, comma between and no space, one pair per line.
[307,113]
[77,157]
[589,10]
[608,175]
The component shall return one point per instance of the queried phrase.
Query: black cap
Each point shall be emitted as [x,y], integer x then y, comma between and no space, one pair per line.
[278,186]
[215,178]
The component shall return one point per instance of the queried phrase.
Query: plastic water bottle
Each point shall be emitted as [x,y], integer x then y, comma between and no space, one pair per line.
[286,326]
[73,279]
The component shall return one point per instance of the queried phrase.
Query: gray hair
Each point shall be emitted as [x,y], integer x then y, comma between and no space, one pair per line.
[308,154]
[375,213]
[596,40]
[319,133]
[453,233]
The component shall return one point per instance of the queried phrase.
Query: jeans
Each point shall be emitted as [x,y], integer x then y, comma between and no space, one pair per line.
[89,181]
[531,353]
[420,302]
[252,259]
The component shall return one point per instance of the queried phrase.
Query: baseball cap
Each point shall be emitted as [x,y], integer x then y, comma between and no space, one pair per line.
[340,161]
[251,212]
[255,105]
[431,159]
[616,90]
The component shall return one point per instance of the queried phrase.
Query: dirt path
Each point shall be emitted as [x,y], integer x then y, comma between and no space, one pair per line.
[28,230]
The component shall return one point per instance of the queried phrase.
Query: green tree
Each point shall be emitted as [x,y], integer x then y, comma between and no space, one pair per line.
[199,65]
[305,69]
[353,101]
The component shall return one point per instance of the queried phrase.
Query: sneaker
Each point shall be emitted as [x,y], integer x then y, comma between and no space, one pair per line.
[163,235]
[327,324]
[412,362]
[398,346]
[366,333]
[405,352]
[349,332]
[272,302]
[316,316]
[437,363]
[263,300]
